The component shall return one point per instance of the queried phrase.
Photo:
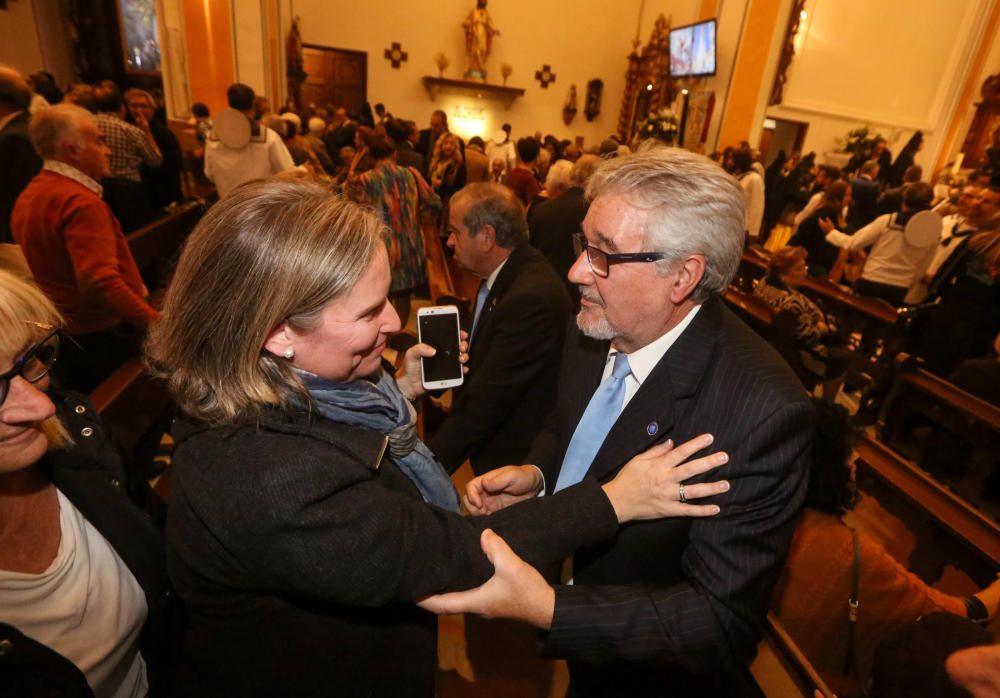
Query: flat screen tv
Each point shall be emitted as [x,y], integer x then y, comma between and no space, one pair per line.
[692,50]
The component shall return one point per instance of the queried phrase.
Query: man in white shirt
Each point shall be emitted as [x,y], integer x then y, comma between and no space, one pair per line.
[264,155]
[893,263]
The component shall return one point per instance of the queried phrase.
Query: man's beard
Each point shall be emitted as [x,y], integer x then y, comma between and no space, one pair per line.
[595,328]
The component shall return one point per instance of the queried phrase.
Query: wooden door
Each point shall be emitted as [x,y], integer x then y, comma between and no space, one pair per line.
[335,76]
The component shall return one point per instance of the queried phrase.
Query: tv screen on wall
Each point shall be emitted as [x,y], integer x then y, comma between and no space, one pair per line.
[692,50]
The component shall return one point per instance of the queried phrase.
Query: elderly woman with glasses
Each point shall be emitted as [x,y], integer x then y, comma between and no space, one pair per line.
[83,591]
[306,517]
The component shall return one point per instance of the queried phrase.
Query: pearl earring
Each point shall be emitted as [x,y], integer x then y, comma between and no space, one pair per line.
[289,353]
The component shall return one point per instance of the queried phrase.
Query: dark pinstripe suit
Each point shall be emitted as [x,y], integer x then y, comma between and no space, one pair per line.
[675,607]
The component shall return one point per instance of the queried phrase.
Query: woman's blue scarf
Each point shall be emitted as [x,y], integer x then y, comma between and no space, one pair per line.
[381,406]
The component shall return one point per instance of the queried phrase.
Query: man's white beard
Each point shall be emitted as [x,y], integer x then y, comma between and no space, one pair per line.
[598,328]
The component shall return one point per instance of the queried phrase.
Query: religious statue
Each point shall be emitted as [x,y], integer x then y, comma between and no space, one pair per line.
[479,33]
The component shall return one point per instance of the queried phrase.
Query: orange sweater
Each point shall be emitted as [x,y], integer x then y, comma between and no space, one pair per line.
[811,597]
[78,255]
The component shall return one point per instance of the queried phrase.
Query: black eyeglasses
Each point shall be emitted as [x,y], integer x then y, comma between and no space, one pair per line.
[600,261]
[32,365]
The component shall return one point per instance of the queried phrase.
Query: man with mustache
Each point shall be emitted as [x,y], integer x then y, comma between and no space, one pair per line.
[673,607]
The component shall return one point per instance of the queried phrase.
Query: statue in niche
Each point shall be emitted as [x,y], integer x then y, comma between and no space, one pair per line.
[479,33]
[569,106]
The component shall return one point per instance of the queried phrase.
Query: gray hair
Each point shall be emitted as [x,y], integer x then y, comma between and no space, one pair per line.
[693,207]
[559,177]
[583,170]
[50,127]
[496,205]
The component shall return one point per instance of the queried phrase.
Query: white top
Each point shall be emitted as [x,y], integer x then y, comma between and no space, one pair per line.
[260,158]
[86,606]
[753,192]
[814,201]
[893,260]
[643,361]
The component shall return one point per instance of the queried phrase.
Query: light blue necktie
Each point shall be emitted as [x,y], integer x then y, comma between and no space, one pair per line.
[597,420]
[484,291]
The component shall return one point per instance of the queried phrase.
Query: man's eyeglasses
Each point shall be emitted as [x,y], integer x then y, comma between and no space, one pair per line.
[32,365]
[601,261]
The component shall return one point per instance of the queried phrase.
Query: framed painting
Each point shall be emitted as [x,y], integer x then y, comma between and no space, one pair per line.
[140,37]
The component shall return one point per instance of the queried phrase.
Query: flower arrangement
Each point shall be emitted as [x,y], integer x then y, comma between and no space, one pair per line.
[857,140]
[661,125]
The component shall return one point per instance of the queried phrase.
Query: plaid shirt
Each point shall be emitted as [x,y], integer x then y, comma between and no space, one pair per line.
[130,148]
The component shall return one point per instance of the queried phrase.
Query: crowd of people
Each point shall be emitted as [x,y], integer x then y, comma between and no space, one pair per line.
[657,446]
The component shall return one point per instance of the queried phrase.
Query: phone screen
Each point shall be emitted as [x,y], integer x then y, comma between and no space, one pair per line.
[441,332]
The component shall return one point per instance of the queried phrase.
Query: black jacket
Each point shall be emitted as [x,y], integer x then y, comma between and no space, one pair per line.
[513,368]
[18,164]
[298,549]
[552,225]
[676,607]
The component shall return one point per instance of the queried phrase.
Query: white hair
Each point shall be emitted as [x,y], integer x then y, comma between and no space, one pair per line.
[558,178]
[693,206]
[51,127]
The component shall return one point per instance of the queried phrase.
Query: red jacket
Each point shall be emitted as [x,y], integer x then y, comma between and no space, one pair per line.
[78,255]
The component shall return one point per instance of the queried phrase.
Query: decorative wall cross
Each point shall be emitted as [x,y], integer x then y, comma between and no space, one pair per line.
[545,76]
[396,54]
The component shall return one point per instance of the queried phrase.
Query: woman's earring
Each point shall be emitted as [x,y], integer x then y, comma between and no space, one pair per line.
[289,353]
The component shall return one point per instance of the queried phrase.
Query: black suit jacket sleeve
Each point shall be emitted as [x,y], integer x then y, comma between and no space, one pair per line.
[526,337]
[20,164]
[737,555]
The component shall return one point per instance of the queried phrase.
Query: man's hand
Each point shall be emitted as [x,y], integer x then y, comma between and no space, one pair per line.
[649,486]
[826,225]
[516,590]
[409,380]
[502,487]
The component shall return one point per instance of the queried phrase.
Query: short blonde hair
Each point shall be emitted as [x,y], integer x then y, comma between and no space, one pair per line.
[25,312]
[275,251]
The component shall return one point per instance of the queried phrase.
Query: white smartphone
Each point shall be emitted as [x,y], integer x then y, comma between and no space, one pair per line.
[438,327]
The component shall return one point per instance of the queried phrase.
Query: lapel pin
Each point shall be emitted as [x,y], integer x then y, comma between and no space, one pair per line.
[652,428]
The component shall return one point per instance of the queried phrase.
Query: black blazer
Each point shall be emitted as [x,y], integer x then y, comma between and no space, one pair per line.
[864,193]
[678,605]
[513,368]
[20,164]
[298,549]
[552,225]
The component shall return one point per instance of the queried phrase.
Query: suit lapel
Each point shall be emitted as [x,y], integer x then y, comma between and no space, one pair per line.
[511,269]
[650,415]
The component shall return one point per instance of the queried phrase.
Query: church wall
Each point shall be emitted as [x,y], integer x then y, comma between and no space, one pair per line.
[33,37]
[578,45]
[894,65]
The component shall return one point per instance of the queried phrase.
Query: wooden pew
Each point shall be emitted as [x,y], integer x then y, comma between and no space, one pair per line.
[794,663]
[155,246]
[951,433]
[962,521]
[778,329]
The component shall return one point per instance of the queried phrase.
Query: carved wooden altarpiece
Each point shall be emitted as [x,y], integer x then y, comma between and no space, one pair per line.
[650,67]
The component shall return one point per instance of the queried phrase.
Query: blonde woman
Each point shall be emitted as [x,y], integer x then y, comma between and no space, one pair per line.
[83,593]
[306,518]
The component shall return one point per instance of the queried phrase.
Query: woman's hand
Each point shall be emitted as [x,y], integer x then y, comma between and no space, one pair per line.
[409,380]
[826,225]
[502,487]
[650,486]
